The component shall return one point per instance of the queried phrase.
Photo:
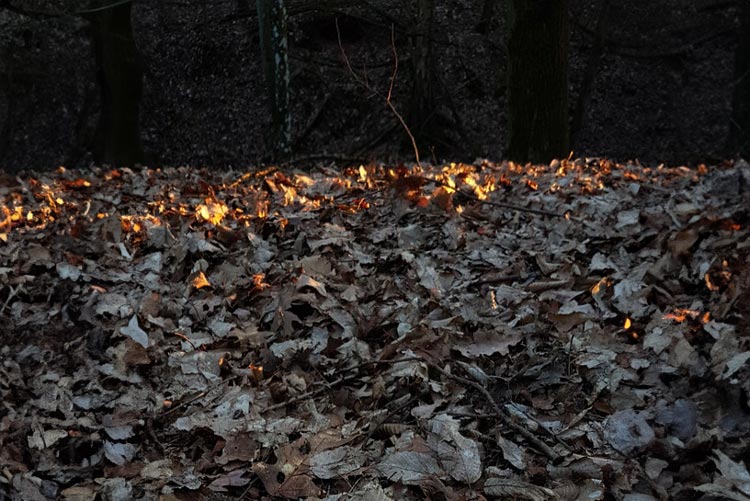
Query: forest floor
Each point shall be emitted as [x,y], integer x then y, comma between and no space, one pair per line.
[648,80]
[575,331]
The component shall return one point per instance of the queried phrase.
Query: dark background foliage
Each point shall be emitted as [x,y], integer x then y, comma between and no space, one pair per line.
[648,80]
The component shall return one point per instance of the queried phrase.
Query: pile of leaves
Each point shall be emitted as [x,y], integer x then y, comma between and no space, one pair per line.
[571,331]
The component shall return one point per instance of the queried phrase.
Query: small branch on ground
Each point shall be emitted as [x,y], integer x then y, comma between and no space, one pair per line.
[503,415]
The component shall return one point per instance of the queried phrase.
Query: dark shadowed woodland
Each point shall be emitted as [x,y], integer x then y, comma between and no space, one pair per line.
[652,81]
[366,249]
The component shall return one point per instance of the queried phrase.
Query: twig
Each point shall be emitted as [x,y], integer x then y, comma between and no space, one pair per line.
[501,413]
[250,485]
[570,351]
[474,415]
[311,393]
[326,385]
[103,7]
[498,278]
[381,420]
[387,98]
[522,209]
[200,395]
[11,294]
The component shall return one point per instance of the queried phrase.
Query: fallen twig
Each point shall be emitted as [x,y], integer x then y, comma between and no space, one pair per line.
[501,413]
[197,397]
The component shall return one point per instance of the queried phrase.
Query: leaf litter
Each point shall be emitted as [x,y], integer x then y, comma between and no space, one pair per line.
[577,330]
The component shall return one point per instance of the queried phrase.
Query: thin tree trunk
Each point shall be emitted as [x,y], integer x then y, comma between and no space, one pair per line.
[120,76]
[537,105]
[272,23]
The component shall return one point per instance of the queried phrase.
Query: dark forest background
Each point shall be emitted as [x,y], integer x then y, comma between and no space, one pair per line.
[654,81]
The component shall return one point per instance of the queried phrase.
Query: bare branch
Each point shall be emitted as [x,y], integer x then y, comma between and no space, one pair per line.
[387,97]
[395,66]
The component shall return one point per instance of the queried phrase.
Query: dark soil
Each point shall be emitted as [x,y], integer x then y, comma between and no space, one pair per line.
[649,80]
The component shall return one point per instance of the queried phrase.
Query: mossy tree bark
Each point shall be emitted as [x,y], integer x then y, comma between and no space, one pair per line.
[740,125]
[537,99]
[272,23]
[120,77]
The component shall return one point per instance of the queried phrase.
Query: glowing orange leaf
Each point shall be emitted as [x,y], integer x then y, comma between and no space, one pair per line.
[200,281]
[600,286]
[212,212]
[77,184]
[681,314]
[5,222]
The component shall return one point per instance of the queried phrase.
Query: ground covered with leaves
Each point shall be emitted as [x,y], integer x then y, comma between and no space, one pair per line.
[573,331]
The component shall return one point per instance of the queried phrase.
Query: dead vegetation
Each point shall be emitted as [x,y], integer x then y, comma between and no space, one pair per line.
[378,332]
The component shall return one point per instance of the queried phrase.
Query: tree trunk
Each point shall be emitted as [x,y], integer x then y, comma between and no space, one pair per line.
[272,23]
[739,131]
[537,104]
[120,77]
